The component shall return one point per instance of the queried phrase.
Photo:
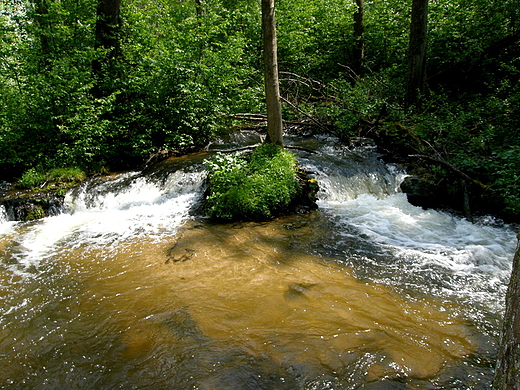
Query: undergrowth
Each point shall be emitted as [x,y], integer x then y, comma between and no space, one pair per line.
[61,177]
[254,187]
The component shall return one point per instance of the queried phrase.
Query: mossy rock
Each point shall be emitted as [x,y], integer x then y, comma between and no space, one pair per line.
[31,205]
[34,212]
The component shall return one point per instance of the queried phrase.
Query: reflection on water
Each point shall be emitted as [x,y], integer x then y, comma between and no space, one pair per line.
[369,292]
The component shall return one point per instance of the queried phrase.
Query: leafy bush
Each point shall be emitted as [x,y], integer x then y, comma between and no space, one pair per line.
[505,169]
[254,188]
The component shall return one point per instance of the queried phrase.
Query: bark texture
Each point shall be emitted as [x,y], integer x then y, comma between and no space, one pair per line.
[507,375]
[41,8]
[108,26]
[359,37]
[199,10]
[416,84]
[272,88]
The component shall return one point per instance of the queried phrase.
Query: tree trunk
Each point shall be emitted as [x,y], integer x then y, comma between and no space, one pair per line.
[272,88]
[108,26]
[41,8]
[507,375]
[359,37]
[416,84]
[199,10]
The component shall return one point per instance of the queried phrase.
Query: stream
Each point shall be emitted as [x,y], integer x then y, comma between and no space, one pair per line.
[129,288]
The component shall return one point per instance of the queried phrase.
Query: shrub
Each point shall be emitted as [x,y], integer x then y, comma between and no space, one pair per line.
[251,188]
[505,169]
[66,175]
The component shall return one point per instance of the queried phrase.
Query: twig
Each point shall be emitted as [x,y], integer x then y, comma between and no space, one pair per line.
[319,124]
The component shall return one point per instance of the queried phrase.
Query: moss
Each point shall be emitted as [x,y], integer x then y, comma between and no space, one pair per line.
[35,212]
[56,178]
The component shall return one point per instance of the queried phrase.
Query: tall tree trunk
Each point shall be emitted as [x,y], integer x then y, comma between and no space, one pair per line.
[108,26]
[199,9]
[359,37]
[416,83]
[41,9]
[507,375]
[272,88]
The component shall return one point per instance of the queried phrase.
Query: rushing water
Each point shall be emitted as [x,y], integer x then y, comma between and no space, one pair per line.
[129,289]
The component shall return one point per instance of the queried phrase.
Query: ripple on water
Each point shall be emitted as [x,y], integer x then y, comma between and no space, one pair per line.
[245,296]
[364,292]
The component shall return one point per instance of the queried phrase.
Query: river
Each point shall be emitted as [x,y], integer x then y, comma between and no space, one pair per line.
[129,288]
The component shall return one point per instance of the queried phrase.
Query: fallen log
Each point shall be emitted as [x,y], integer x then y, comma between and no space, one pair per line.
[251,147]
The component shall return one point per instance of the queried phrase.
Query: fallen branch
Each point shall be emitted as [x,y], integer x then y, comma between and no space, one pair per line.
[250,117]
[251,147]
[161,153]
[240,149]
[306,81]
[463,175]
[318,123]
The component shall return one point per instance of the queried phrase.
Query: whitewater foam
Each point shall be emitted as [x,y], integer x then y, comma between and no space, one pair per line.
[113,211]
[412,231]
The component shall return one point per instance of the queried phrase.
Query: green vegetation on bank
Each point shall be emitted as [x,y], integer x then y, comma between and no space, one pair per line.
[253,187]
[57,179]
[181,71]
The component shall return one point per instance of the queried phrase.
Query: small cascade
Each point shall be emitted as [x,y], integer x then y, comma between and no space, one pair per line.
[364,174]
[105,211]
[3,215]
[133,205]
[344,174]
[363,196]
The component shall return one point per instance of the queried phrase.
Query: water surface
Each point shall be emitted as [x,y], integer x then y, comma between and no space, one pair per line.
[129,290]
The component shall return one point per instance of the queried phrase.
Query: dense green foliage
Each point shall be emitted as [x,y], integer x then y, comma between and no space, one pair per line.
[186,69]
[251,188]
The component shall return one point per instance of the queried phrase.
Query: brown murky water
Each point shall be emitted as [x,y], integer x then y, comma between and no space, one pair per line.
[127,291]
[243,306]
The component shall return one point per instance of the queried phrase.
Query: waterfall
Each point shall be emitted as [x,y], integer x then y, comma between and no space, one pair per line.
[3,215]
[108,210]
[363,196]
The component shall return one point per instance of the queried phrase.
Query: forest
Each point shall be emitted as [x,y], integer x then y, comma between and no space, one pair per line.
[110,85]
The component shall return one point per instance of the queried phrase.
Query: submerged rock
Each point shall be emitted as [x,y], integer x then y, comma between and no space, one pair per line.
[183,326]
[241,370]
[297,290]
[385,385]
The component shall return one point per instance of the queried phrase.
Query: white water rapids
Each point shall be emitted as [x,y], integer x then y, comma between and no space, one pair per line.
[460,267]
